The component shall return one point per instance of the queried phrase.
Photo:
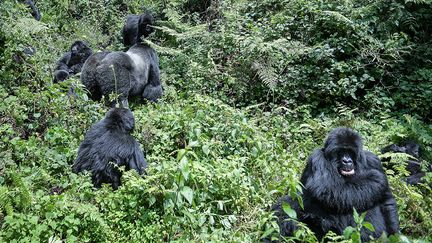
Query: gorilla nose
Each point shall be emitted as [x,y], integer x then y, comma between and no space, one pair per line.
[346,161]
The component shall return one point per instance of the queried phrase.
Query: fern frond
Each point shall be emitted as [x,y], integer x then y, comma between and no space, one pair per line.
[25,197]
[5,201]
[266,73]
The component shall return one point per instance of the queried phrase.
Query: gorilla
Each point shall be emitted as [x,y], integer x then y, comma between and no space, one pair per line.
[137,26]
[131,73]
[109,145]
[72,61]
[337,178]
[414,165]
[34,10]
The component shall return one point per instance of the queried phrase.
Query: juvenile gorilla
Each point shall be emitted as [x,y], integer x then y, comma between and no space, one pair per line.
[137,26]
[413,165]
[131,73]
[108,145]
[337,178]
[72,61]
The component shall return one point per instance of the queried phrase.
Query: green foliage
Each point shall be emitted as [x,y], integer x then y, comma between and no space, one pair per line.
[251,88]
[317,52]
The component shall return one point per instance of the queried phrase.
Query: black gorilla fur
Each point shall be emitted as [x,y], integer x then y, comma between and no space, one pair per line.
[34,10]
[72,61]
[108,145]
[136,74]
[413,165]
[137,26]
[337,178]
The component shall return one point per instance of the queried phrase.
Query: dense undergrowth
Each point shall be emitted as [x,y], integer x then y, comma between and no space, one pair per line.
[251,88]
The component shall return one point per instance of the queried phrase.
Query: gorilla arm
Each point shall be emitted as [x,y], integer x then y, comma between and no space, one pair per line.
[388,207]
[137,161]
[390,214]
[153,90]
[323,182]
[62,70]
[62,64]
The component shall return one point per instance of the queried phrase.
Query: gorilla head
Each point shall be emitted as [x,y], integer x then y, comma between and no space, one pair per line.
[145,22]
[108,145]
[80,51]
[137,26]
[410,147]
[120,119]
[343,148]
[72,61]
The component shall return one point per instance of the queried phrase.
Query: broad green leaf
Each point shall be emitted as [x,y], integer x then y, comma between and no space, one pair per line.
[348,232]
[369,226]
[187,193]
[288,210]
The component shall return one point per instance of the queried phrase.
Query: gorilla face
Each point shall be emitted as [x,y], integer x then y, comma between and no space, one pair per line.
[412,149]
[80,51]
[346,162]
[144,25]
[342,149]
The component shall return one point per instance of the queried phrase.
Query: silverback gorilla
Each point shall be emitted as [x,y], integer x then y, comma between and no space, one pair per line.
[137,26]
[72,61]
[337,178]
[131,73]
[108,145]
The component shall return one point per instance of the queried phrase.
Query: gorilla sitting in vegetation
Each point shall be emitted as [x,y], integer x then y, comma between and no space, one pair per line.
[131,73]
[109,145]
[337,178]
[72,61]
[414,165]
[137,26]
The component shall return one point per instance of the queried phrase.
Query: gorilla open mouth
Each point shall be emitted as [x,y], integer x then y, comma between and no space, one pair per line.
[347,172]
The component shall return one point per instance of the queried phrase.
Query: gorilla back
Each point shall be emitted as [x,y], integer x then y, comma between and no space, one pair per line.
[131,73]
[107,145]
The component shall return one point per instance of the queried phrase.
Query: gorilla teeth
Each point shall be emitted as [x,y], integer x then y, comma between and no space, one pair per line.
[350,172]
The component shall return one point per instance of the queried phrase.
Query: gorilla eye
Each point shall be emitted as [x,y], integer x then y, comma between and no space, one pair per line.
[346,153]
